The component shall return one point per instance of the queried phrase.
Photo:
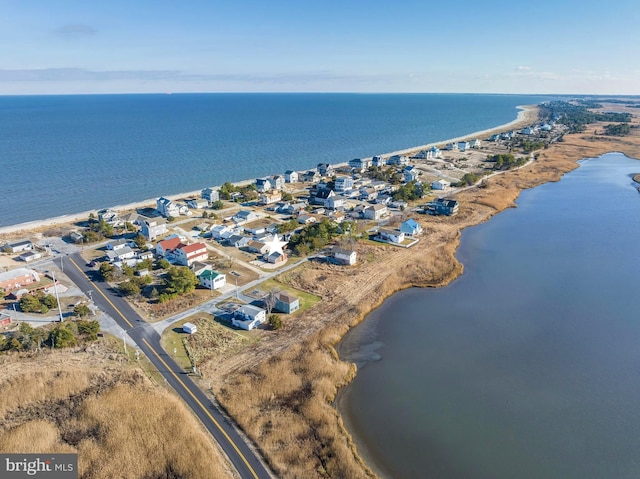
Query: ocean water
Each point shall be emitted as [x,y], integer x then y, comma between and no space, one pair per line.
[67,154]
[527,365]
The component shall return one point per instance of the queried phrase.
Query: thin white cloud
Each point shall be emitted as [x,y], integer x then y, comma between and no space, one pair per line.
[76,29]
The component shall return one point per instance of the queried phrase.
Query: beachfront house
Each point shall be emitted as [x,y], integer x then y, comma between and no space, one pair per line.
[277,182]
[248,317]
[325,169]
[110,217]
[311,176]
[411,227]
[286,303]
[263,185]
[435,152]
[167,208]
[210,194]
[398,160]
[18,246]
[440,185]
[360,164]
[463,145]
[291,176]
[475,143]
[451,147]
[378,161]
[197,203]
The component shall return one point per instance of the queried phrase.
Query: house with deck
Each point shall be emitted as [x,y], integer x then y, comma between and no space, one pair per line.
[411,227]
[291,176]
[151,228]
[248,317]
[210,194]
[390,235]
[442,206]
[374,212]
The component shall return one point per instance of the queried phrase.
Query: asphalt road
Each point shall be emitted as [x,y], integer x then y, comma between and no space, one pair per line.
[147,339]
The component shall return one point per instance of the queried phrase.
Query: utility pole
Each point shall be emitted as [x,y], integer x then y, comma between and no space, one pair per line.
[55,289]
[124,342]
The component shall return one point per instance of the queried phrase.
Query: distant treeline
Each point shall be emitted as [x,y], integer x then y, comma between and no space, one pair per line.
[576,117]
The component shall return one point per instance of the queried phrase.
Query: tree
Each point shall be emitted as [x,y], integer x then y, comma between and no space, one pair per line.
[275,321]
[217,205]
[180,280]
[81,310]
[50,301]
[140,241]
[128,288]
[89,328]
[163,264]
[61,337]
[107,271]
[29,303]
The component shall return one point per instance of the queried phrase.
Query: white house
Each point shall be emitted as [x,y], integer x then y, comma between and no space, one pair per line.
[344,256]
[110,217]
[410,174]
[248,317]
[115,245]
[463,145]
[378,161]
[451,146]
[163,247]
[210,194]
[121,254]
[475,143]
[153,227]
[18,246]
[243,216]
[29,256]
[374,212]
[343,183]
[360,164]
[435,152]
[325,169]
[186,255]
[411,227]
[440,185]
[220,232]
[399,160]
[212,279]
[167,208]
[291,176]
[197,203]
[270,198]
[336,202]
[391,236]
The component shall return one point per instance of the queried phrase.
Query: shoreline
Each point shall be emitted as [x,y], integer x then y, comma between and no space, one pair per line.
[347,299]
[524,116]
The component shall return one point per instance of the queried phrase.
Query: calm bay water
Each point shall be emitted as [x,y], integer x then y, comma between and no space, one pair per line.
[68,154]
[528,365]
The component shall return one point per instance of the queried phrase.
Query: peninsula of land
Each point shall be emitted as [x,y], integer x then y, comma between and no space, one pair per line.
[280,384]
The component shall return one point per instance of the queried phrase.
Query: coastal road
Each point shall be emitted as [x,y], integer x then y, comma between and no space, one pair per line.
[243,458]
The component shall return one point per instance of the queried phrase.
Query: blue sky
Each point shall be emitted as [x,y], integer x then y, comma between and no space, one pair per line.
[497,46]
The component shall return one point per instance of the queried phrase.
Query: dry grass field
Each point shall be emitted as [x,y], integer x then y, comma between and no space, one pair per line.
[94,403]
[282,390]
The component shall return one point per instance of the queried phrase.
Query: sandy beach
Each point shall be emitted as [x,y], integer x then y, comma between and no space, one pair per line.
[527,115]
[289,380]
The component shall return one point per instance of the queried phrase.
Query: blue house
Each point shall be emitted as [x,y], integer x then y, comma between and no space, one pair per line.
[411,227]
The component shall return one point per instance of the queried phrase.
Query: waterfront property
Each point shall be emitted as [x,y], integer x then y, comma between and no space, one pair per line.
[210,194]
[291,176]
[248,317]
[18,246]
[390,236]
[411,227]
[287,302]
[442,206]
[344,256]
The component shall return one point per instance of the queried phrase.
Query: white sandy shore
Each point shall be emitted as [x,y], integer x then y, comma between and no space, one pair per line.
[524,117]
